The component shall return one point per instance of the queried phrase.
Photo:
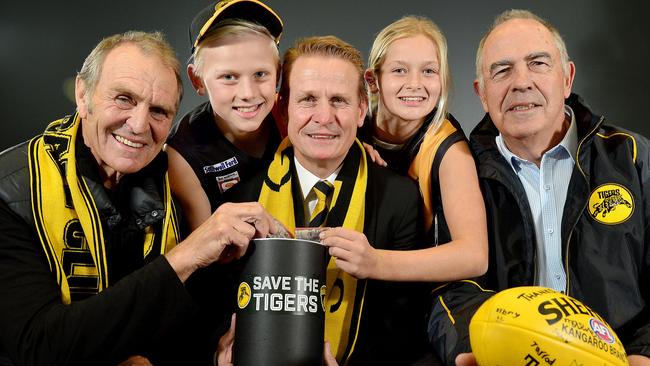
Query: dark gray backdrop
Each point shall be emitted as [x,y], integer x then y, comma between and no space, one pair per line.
[44,44]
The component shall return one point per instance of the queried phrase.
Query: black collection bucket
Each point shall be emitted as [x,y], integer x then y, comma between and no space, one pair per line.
[281,318]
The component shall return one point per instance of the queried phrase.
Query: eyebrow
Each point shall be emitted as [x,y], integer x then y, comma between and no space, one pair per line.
[343,96]
[498,64]
[171,111]
[125,90]
[426,62]
[302,93]
[536,55]
[529,57]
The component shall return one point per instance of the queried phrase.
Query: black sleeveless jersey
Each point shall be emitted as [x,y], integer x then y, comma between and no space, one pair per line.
[217,163]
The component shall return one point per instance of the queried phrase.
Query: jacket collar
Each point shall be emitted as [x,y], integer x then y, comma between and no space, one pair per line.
[141,189]
[482,137]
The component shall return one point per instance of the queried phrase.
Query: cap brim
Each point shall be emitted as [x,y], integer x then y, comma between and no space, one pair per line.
[251,10]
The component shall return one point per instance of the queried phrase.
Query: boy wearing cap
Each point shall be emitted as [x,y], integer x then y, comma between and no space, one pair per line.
[225,140]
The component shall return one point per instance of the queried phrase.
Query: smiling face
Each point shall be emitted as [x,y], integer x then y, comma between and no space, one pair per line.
[126,119]
[239,75]
[324,110]
[525,84]
[409,83]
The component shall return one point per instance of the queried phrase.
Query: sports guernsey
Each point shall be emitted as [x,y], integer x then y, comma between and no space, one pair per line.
[420,158]
[217,163]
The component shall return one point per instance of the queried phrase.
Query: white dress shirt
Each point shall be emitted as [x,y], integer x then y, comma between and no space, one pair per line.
[307,181]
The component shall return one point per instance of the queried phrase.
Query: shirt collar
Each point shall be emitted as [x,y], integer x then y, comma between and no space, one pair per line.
[307,179]
[568,143]
[570,140]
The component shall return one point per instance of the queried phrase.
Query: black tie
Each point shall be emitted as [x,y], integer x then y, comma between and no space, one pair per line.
[323,190]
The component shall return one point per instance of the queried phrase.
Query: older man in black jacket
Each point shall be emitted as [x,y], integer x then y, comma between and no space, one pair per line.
[567,196]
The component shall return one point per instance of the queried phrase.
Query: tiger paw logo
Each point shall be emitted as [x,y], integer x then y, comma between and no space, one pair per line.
[611,204]
[323,296]
[243,295]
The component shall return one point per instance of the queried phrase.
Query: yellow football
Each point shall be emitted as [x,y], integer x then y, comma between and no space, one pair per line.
[538,326]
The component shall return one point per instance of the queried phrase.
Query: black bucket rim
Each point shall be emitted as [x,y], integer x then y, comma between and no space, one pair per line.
[289,240]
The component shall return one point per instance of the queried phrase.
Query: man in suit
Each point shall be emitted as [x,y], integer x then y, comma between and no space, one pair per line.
[367,208]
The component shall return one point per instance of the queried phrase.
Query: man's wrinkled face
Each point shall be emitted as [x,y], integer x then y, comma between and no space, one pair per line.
[126,119]
[524,83]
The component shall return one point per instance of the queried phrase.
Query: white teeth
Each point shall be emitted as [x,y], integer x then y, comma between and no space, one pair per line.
[327,137]
[247,109]
[127,142]
[412,99]
[523,107]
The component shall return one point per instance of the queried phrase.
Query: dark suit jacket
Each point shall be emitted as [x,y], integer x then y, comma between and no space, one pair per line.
[393,325]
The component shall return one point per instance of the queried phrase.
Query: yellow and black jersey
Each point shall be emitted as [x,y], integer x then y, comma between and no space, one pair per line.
[420,158]
[217,163]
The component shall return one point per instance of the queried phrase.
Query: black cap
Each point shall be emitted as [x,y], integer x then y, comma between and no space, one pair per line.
[251,10]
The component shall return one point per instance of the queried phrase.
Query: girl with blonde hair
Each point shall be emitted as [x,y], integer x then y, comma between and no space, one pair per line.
[409,127]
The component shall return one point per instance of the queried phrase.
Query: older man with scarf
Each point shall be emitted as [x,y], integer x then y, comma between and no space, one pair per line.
[91,272]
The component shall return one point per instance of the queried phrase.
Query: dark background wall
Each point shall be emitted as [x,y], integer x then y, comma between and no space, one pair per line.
[44,43]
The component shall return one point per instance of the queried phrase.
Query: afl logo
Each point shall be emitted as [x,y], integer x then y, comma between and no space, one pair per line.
[601,330]
[611,204]
[243,295]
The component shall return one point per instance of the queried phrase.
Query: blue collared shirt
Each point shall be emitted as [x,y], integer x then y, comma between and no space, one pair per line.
[546,188]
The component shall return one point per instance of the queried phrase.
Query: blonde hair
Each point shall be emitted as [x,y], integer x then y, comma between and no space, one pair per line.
[520,14]
[153,43]
[232,28]
[328,46]
[410,26]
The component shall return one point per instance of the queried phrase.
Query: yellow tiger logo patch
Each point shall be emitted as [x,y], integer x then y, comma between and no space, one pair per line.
[611,204]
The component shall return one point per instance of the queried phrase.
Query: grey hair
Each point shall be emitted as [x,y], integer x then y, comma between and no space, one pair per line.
[148,42]
[521,14]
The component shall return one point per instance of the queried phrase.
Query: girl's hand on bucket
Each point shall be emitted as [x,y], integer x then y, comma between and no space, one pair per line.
[352,251]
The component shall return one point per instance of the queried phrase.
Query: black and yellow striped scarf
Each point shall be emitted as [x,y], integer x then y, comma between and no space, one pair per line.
[66,217]
[345,295]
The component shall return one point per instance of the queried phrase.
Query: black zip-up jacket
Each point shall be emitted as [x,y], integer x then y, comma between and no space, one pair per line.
[604,233]
[148,312]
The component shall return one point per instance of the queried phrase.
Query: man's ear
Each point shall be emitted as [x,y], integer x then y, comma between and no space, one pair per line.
[197,83]
[363,105]
[479,91]
[80,97]
[371,80]
[568,79]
